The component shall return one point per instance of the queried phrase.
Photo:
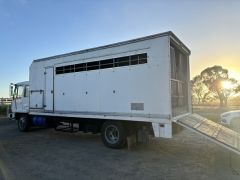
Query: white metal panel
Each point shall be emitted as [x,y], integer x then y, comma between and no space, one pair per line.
[37,85]
[70,92]
[121,89]
[144,83]
[106,88]
[36,99]
[48,89]
[92,91]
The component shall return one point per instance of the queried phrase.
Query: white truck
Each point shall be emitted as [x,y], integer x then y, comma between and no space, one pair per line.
[114,89]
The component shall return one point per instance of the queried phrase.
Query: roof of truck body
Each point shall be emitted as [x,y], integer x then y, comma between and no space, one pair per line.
[168,33]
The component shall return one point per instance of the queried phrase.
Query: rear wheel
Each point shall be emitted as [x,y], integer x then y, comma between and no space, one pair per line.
[23,123]
[113,134]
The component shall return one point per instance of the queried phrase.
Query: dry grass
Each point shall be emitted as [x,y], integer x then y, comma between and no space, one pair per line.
[213,112]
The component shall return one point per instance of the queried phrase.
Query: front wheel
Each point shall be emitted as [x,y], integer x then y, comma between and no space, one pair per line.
[113,134]
[23,123]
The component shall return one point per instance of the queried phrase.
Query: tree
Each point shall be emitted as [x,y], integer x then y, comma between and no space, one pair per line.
[200,91]
[237,89]
[214,78]
[229,88]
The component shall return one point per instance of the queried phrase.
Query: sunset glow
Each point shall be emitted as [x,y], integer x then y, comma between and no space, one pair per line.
[227,85]
[234,73]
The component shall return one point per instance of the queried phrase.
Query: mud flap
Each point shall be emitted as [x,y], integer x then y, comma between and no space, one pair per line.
[213,131]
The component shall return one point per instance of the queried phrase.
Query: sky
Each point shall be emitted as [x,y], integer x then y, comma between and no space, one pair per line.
[32,29]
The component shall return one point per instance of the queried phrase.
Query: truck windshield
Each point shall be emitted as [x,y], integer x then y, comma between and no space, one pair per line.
[20,91]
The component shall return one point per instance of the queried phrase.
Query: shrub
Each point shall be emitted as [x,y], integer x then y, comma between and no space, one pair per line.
[3,110]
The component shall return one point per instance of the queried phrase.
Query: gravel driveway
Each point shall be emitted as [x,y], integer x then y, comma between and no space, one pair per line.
[49,154]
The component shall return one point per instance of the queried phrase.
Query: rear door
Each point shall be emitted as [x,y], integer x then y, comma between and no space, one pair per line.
[49,78]
[180,78]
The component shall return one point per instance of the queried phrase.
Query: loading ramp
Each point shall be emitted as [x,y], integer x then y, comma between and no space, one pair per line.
[213,131]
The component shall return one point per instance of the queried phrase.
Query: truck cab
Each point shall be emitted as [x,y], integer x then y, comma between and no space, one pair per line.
[19,93]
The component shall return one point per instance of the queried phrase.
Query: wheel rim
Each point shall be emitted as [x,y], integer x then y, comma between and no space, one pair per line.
[22,123]
[112,134]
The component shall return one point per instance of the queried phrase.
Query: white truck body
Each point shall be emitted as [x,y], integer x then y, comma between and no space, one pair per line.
[130,80]
[116,89]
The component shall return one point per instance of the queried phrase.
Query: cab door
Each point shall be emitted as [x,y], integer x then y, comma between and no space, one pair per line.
[20,101]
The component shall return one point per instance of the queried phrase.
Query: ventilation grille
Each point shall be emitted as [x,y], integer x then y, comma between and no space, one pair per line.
[104,64]
[137,106]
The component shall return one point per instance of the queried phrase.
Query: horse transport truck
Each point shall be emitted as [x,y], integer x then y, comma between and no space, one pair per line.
[116,90]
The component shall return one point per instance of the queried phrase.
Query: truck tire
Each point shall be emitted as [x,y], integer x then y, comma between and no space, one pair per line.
[23,123]
[113,134]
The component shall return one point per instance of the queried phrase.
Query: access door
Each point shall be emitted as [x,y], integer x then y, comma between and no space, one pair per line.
[49,78]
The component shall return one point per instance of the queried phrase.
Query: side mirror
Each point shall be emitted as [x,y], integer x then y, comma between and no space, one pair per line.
[11,90]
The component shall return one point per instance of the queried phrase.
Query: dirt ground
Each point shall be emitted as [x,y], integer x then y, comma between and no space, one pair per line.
[49,154]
